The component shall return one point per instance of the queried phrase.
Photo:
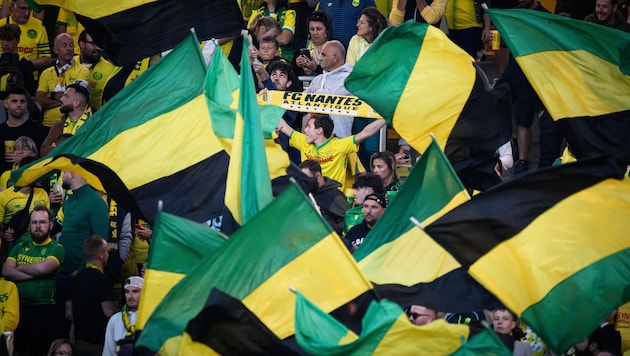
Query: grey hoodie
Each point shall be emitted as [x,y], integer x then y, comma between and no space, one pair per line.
[332,83]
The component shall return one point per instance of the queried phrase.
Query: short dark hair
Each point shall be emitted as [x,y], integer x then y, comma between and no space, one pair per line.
[269,39]
[10,32]
[16,91]
[43,208]
[92,247]
[324,122]
[312,165]
[369,180]
[83,36]
[82,87]
[282,66]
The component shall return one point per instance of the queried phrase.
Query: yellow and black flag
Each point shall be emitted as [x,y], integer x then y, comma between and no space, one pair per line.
[580,71]
[130,30]
[423,83]
[177,246]
[552,245]
[287,244]
[153,141]
[407,266]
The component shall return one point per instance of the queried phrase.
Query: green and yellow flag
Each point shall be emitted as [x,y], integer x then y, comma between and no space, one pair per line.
[423,83]
[283,246]
[245,130]
[131,30]
[406,265]
[580,71]
[153,141]
[177,246]
[549,244]
[385,330]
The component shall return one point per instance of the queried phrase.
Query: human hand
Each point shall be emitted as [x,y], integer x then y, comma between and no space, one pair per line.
[485,35]
[56,197]
[9,156]
[144,233]
[9,235]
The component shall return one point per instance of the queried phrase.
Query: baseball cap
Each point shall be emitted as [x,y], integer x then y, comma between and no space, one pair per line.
[379,198]
[134,281]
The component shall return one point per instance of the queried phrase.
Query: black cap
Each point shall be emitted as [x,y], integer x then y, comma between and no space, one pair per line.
[381,199]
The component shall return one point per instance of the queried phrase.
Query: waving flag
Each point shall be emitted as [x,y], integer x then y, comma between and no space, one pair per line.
[282,246]
[130,30]
[406,265]
[177,246]
[423,83]
[548,244]
[580,71]
[153,141]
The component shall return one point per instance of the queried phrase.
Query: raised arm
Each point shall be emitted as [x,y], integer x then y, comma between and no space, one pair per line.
[369,131]
[285,128]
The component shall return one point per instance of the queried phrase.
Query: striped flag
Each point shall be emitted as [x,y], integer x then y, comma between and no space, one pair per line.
[406,265]
[553,246]
[386,330]
[130,30]
[245,131]
[580,71]
[153,141]
[282,246]
[423,83]
[177,246]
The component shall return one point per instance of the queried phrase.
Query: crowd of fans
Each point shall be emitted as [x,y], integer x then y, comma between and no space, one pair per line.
[69,252]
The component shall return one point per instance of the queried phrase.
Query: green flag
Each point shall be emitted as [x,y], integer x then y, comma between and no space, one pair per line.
[385,330]
[245,131]
[580,71]
[405,264]
[422,83]
[153,141]
[283,246]
[177,246]
[555,251]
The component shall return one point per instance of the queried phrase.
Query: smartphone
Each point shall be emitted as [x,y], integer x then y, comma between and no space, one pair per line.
[305,52]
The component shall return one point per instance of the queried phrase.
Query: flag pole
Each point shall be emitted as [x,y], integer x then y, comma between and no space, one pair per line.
[416,222]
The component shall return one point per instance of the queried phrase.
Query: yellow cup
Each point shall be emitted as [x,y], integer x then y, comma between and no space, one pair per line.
[9,146]
[496,40]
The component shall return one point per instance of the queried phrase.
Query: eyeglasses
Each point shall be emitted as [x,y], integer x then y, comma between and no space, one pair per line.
[23,148]
[39,222]
[362,22]
[23,8]
[63,353]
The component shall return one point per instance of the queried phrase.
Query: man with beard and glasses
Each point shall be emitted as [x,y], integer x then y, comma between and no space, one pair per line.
[75,108]
[55,80]
[100,68]
[34,266]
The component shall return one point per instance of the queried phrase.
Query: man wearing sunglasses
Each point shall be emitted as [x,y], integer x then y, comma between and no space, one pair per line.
[421,315]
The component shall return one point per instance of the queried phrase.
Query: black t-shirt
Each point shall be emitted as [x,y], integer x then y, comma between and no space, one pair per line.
[354,237]
[29,128]
[89,289]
